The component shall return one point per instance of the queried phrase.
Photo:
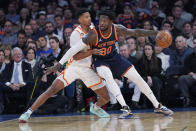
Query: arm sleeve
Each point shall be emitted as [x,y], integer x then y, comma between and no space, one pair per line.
[74,38]
[80,45]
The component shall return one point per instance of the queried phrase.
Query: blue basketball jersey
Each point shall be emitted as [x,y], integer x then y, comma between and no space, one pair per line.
[106,43]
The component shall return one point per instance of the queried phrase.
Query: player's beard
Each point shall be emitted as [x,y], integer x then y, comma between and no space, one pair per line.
[104,29]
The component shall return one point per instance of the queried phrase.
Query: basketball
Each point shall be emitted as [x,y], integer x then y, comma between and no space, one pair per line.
[163,39]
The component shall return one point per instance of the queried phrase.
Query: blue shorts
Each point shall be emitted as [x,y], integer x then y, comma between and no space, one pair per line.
[118,64]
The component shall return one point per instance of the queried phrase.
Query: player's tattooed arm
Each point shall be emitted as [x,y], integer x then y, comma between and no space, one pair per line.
[89,39]
[121,30]
[54,68]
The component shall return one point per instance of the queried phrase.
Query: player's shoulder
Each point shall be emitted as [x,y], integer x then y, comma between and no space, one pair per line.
[76,32]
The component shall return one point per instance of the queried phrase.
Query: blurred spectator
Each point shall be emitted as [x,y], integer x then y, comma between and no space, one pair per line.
[34,9]
[188,80]
[141,42]
[68,18]
[147,25]
[178,22]
[36,30]
[50,13]
[56,51]
[143,6]
[17,77]
[150,68]
[9,37]
[177,58]
[59,26]
[127,18]
[170,18]
[41,20]
[21,40]
[67,34]
[190,40]
[29,39]
[2,61]
[94,10]
[24,18]
[28,31]
[11,15]
[30,56]
[0,43]
[2,67]
[7,50]
[121,39]
[157,16]
[185,15]
[49,29]
[32,44]
[164,58]
[28,4]
[2,20]
[44,51]
[134,54]
[187,30]
[58,11]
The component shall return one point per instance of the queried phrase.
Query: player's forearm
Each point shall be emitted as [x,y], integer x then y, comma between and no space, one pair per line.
[57,66]
[72,51]
[142,32]
[82,55]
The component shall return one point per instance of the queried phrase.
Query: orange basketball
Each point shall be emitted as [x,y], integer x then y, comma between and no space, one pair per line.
[163,39]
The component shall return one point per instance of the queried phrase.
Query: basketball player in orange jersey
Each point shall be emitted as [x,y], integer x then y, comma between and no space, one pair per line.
[77,69]
[104,37]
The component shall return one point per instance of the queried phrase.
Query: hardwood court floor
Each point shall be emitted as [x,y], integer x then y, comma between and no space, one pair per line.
[180,121]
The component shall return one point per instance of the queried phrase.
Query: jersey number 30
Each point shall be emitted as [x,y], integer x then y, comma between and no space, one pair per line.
[106,50]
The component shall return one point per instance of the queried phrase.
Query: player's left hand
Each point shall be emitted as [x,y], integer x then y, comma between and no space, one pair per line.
[97,51]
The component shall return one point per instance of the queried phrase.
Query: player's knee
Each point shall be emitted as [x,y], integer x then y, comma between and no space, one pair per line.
[104,72]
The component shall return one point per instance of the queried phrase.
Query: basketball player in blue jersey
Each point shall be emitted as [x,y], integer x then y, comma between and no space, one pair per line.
[103,37]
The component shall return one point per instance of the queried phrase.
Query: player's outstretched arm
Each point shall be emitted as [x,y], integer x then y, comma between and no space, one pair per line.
[80,45]
[121,30]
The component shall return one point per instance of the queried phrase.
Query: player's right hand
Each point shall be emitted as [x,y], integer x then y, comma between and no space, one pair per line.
[49,70]
[54,68]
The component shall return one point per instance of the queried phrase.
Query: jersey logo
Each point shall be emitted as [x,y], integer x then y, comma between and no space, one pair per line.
[100,40]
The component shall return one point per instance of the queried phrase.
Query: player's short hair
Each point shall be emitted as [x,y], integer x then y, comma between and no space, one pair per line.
[108,12]
[81,11]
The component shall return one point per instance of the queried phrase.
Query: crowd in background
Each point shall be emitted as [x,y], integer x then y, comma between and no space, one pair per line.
[35,34]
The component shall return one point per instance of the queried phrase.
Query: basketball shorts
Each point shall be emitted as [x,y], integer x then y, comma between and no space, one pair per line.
[86,74]
[118,65]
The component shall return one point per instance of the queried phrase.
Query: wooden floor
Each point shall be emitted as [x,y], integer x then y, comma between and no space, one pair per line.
[180,121]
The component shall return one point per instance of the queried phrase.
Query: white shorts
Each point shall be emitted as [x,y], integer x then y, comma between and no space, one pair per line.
[86,74]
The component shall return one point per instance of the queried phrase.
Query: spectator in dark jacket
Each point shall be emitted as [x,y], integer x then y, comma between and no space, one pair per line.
[17,77]
[150,67]
[177,58]
[189,79]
